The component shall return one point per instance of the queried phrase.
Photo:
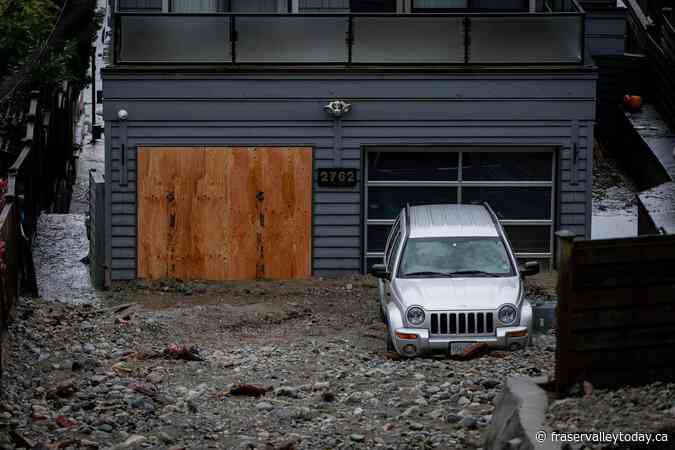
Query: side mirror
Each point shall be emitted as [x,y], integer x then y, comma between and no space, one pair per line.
[380,271]
[529,268]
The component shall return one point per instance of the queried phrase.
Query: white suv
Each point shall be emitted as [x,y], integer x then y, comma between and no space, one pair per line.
[449,280]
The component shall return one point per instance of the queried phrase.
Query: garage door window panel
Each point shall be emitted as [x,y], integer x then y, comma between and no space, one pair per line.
[528,238]
[385,202]
[507,166]
[412,166]
[513,203]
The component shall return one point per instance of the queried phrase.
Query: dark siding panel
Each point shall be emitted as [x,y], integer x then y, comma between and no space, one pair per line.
[287,110]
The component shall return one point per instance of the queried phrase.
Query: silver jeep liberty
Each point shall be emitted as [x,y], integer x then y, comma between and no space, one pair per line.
[449,280]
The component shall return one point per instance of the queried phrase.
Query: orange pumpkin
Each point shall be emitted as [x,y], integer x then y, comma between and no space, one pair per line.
[632,102]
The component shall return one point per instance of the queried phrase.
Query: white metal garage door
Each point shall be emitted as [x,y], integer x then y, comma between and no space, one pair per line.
[517,182]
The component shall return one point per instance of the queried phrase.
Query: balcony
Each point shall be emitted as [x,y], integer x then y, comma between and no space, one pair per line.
[553,37]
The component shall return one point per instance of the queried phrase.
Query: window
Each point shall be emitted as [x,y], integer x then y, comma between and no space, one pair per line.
[377,237]
[212,6]
[512,203]
[388,246]
[441,4]
[385,202]
[372,5]
[392,251]
[324,6]
[140,5]
[506,166]
[477,5]
[471,257]
[529,239]
[412,166]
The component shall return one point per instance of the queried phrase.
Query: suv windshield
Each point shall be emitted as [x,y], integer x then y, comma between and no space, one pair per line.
[452,256]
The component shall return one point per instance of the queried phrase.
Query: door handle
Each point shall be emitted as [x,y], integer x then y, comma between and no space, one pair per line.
[260,196]
[170,196]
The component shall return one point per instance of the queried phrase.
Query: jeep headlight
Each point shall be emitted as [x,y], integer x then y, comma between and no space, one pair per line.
[415,315]
[507,314]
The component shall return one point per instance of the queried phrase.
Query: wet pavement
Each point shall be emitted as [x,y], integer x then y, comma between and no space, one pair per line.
[60,245]
[614,202]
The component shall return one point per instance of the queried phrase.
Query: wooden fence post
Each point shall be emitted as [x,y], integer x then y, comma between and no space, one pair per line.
[564,291]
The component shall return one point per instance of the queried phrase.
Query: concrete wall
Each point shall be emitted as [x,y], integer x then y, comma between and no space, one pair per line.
[285,108]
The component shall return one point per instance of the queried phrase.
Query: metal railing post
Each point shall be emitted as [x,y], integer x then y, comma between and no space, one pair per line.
[467,39]
[350,39]
[233,38]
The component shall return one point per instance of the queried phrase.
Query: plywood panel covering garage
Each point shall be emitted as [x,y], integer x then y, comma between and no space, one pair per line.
[224,213]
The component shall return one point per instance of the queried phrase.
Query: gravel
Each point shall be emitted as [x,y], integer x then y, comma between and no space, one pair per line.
[645,409]
[316,348]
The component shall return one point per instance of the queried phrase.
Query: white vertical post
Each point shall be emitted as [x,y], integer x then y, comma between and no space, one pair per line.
[400,6]
[295,6]
[533,6]
[282,6]
[165,6]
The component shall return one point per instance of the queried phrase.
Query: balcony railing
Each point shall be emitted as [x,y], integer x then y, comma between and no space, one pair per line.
[351,39]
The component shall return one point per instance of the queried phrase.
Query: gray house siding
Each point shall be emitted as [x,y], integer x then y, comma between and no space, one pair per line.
[606,31]
[552,109]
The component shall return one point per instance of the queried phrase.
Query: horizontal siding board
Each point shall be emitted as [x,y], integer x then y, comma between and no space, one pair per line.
[335,273]
[347,252]
[337,220]
[451,87]
[124,208]
[123,231]
[337,197]
[335,231]
[341,263]
[124,252]
[125,220]
[368,110]
[337,209]
[572,219]
[123,274]
[123,242]
[337,242]
[124,263]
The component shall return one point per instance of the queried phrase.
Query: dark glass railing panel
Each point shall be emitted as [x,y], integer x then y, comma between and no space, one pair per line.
[174,39]
[292,39]
[522,40]
[408,40]
[345,39]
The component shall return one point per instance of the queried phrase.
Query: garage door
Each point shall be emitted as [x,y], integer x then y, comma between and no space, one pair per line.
[517,183]
[224,213]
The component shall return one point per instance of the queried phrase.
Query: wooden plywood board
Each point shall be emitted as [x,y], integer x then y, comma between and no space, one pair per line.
[224,213]
[287,187]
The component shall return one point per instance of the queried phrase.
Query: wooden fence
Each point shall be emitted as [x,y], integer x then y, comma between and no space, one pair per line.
[616,311]
[38,167]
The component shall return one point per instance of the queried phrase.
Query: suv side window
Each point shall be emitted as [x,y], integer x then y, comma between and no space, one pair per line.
[394,246]
[387,248]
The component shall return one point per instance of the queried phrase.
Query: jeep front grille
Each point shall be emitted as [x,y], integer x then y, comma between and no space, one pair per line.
[462,323]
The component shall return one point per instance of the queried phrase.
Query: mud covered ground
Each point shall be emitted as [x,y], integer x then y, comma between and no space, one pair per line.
[95,376]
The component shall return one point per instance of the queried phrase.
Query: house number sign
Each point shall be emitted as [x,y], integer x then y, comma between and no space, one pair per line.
[337,177]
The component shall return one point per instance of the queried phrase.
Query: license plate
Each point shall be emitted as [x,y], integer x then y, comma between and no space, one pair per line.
[458,348]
